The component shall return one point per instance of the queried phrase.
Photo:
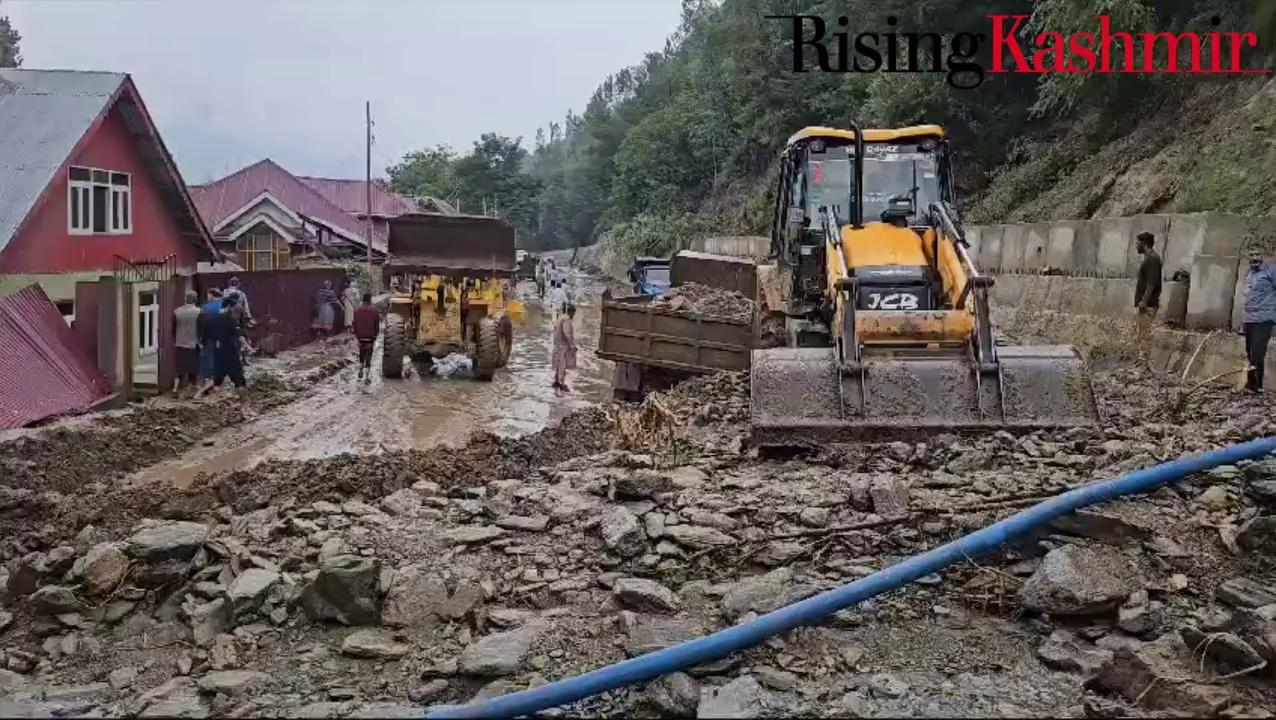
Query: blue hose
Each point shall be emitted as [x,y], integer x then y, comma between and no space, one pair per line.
[724,642]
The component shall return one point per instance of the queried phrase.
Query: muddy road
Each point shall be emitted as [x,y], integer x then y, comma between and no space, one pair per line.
[345,415]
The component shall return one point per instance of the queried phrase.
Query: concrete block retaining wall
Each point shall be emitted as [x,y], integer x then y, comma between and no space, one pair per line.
[1088,300]
[1209,246]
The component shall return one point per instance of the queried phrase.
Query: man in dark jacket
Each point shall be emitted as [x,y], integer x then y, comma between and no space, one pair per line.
[1147,293]
[222,331]
[366,325]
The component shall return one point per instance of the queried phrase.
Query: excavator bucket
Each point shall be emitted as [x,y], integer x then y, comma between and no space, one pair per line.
[803,396]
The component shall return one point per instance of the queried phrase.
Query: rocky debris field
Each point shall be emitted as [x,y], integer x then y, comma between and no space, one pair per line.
[705,301]
[377,586]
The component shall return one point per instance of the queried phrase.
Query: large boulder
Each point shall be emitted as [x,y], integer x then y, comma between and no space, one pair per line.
[764,593]
[622,534]
[1075,580]
[345,591]
[167,541]
[373,644]
[104,568]
[743,697]
[500,654]
[644,594]
[55,600]
[673,695]
[249,590]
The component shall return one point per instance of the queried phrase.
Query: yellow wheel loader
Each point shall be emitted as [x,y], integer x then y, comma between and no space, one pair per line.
[453,279]
[886,327]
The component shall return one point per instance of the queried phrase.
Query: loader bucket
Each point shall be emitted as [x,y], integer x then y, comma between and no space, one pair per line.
[456,245]
[801,395]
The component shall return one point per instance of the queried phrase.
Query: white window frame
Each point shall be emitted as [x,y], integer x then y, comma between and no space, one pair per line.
[119,212]
[148,324]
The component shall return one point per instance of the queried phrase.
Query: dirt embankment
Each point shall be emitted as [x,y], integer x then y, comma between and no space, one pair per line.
[360,586]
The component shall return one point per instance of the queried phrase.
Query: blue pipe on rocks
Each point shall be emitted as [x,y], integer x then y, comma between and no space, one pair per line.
[724,642]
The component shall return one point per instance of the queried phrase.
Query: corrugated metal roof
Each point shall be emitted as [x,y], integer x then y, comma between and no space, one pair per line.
[223,198]
[351,196]
[43,114]
[44,372]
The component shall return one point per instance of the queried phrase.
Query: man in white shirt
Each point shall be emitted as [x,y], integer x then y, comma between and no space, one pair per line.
[557,298]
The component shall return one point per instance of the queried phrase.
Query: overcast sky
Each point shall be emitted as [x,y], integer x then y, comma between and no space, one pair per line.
[232,81]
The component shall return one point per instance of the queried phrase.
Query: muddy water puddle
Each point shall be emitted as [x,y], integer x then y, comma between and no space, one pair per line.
[343,414]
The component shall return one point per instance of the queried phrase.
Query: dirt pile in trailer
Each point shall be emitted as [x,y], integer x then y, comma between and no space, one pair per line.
[706,301]
[376,586]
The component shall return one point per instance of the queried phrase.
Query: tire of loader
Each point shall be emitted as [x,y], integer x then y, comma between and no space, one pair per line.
[393,346]
[488,353]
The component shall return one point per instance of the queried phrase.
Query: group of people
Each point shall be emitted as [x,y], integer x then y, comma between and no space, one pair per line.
[211,339]
[1259,309]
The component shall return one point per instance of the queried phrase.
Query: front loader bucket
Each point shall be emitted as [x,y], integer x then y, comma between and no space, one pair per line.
[802,396]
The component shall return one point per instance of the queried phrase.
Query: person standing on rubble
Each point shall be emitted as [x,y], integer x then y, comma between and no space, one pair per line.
[564,357]
[1260,316]
[223,333]
[203,325]
[1147,294]
[186,341]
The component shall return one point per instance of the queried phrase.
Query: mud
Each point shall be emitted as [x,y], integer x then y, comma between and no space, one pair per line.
[346,415]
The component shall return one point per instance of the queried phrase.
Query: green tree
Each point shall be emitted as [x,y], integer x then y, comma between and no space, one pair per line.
[425,173]
[10,52]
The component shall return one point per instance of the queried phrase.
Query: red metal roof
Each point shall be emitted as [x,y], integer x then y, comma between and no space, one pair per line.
[351,196]
[44,372]
[222,199]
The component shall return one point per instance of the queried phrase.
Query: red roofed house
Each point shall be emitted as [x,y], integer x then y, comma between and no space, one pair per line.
[352,197]
[266,218]
[87,189]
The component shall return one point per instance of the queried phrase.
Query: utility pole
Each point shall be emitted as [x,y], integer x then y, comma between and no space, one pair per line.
[367,220]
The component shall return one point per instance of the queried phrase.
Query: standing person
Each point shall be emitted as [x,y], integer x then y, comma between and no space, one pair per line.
[564,357]
[366,325]
[1147,294]
[186,340]
[203,326]
[223,332]
[1260,316]
[241,299]
[349,301]
[325,313]
[540,279]
[557,298]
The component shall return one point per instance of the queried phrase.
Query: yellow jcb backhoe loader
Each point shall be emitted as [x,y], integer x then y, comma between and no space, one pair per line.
[886,327]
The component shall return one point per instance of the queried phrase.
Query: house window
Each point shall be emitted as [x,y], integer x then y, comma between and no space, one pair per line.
[100,202]
[67,308]
[147,322]
[262,249]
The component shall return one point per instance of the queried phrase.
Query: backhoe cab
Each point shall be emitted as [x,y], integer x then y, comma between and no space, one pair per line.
[886,317]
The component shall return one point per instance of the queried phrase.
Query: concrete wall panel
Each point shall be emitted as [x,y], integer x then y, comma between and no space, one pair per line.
[1211,292]
[1013,241]
[1115,246]
[989,257]
[1036,240]
[1060,247]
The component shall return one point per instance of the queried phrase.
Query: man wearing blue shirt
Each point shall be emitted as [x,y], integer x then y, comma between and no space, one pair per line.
[1260,315]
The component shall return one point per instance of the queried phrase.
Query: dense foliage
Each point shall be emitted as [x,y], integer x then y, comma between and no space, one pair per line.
[683,142]
[10,54]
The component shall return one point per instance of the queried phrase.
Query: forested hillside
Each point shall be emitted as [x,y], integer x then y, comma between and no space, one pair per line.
[683,143]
